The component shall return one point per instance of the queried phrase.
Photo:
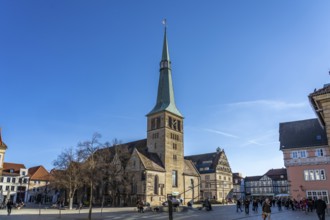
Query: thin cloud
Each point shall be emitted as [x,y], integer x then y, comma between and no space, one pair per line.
[221,133]
[280,105]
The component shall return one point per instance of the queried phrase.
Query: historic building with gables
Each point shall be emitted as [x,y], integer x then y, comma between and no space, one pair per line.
[271,184]
[306,151]
[216,174]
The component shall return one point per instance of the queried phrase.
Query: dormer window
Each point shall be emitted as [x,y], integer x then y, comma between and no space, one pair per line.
[319,153]
[11,170]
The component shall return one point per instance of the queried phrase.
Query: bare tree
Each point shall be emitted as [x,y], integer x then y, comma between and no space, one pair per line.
[67,173]
[91,174]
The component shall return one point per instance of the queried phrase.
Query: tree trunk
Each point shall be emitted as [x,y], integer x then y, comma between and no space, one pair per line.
[90,201]
[70,202]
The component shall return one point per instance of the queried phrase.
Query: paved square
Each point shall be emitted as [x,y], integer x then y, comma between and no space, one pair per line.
[129,213]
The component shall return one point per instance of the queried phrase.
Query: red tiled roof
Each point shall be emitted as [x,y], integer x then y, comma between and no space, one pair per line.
[38,173]
[12,166]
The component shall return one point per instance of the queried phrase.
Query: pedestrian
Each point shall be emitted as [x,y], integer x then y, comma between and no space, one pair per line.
[255,206]
[238,205]
[247,206]
[320,207]
[9,206]
[266,210]
[279,204]
[140,206]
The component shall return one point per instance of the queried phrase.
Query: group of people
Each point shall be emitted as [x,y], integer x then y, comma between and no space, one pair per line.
[307,205]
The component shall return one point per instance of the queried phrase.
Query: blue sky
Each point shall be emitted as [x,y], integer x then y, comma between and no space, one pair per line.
[72,68]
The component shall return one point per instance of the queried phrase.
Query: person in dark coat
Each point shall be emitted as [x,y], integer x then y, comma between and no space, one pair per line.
[320,207]
[238,205]
[266,210]
[9,206]
[247,206]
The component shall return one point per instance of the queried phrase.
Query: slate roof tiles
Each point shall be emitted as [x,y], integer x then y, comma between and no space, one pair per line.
[304,133]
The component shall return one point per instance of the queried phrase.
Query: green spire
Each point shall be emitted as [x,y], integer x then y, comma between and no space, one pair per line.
[165,97]
[165,54]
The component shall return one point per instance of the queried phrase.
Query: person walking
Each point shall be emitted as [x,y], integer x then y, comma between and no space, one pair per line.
[255,206]
[247,206]
[279,204]
[320,207]
[9,206]
[266,210]
[238,205]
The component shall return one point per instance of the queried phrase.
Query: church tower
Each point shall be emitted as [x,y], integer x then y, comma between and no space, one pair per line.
[3,148]
[165,127]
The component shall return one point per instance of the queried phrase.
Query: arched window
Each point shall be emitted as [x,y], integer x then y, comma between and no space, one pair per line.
[156,183]
[134,186]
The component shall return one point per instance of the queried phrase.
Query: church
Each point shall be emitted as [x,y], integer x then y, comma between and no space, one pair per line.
[156,165]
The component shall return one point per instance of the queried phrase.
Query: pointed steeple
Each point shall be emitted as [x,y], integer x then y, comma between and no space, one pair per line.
[165,54]
[0,138]
[165,97]
[2,144]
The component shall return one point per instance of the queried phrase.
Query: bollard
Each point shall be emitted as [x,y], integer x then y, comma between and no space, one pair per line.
[170,209]
[59,214]
[39,208]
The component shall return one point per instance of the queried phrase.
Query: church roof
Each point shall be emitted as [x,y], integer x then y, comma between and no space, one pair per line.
[151,161]
[190,169]
[165,97]
[304,133]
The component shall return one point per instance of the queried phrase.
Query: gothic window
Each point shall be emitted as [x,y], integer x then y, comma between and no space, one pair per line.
[175,157]
[155,123]
[143,175]
[156,183]
[158,122]
[170,122]
[134,186]
[174,178]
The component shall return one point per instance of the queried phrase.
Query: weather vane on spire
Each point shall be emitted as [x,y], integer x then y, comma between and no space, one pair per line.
[164,22]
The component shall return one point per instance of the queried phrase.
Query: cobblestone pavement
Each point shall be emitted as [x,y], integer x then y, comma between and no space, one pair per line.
[129,213]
